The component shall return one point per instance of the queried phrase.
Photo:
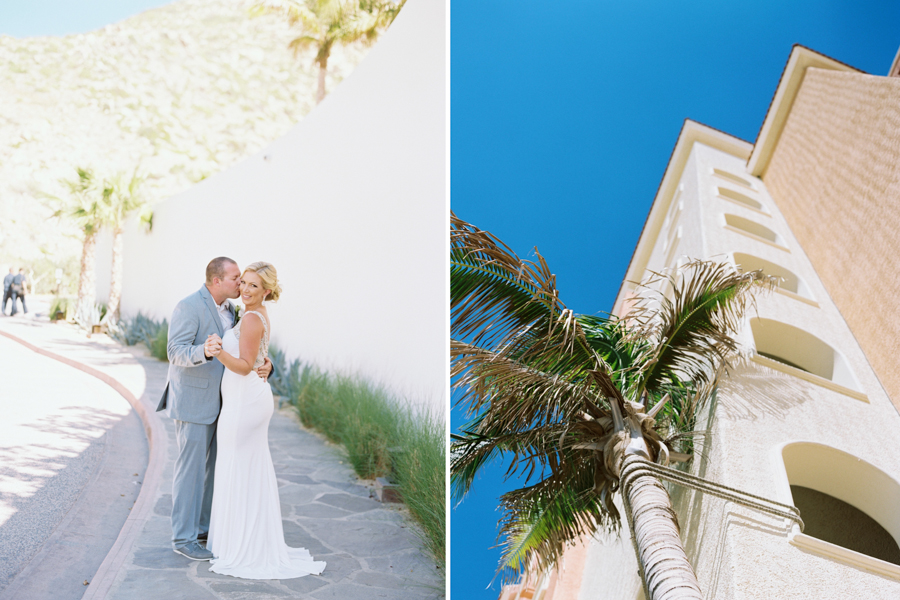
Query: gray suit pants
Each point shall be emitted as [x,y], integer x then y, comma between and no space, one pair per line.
[192,485]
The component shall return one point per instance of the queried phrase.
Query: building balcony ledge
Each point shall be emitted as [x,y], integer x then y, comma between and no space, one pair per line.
[812,378]
[797,296]
[753,236]
[846,556]
[743,205]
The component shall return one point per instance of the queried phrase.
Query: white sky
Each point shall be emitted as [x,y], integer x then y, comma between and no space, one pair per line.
[26,18]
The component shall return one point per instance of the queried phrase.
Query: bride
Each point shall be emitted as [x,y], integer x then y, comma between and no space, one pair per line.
[245,531]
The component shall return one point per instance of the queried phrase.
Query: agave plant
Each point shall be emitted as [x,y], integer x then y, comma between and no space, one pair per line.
[572,401]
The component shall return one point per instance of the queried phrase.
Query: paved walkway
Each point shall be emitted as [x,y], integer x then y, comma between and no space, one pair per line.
[370,548]
[72,455]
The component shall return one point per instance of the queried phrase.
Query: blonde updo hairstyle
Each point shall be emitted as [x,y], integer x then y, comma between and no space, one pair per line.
[269,276]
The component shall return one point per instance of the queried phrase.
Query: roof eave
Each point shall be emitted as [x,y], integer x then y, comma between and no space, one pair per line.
[801,59]
[691,133]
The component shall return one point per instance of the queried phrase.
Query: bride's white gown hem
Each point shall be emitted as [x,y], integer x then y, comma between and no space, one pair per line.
[246,535]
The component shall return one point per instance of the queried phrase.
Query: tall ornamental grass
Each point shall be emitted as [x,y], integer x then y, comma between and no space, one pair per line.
[381,436]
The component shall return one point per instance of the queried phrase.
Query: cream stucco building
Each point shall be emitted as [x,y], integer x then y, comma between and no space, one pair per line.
[810,417]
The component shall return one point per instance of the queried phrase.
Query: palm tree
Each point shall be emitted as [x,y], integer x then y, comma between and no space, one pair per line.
[324,23]
[123,198]
[87,205]
[580,402]
[94,203]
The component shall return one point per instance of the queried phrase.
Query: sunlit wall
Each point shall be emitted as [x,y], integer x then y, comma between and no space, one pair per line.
[350,208]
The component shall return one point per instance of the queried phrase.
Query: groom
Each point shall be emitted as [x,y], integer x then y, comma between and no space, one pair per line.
[192,398]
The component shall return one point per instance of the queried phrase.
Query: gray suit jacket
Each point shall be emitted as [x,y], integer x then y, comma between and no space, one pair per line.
[192,392]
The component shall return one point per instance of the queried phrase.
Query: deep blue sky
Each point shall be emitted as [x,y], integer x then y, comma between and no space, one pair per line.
[563,117]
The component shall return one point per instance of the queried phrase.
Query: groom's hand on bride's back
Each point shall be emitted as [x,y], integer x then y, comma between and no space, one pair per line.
[265,370]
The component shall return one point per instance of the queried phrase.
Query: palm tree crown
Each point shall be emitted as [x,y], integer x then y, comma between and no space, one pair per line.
[324,23]
[567,397]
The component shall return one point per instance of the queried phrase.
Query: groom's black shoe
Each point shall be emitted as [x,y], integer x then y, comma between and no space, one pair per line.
[194,551]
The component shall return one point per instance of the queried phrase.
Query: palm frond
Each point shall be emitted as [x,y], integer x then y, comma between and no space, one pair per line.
[294,11]
[302,42]
[542,520]
[690,335]
[520,395]
[478,445]
[494,293]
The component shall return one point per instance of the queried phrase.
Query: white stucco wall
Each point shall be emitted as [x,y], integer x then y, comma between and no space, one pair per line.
[103,265]
[739,553]
[350,206]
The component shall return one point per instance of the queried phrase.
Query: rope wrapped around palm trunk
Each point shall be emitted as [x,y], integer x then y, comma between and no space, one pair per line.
[665,572]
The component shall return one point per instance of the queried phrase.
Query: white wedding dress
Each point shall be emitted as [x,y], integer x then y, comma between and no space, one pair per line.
[245,531]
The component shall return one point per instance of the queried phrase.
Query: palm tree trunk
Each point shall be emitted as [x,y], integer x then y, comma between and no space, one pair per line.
[86,281]
[667,573]
[115,281]
[323,70]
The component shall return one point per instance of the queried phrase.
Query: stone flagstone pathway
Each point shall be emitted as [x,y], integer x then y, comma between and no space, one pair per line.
[370,550]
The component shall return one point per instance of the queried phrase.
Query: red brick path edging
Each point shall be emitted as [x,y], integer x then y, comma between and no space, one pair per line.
[143,506]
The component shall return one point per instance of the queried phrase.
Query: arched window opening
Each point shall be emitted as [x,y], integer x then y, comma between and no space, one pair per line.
[835,521]
[741,198]
[753,229]
[844,500]
[674,209]
[789,281]
[799,349]
[733,178]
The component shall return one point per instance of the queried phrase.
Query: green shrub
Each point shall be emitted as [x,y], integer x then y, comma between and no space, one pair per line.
[63,305]
[419,470]
[158,345]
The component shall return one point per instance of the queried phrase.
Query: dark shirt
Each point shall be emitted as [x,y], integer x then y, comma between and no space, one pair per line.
[20,279]
[7,281]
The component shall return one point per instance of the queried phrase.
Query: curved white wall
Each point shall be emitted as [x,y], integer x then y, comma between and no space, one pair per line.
[350,207]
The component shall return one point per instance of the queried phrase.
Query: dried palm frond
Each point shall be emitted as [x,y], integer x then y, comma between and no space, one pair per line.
[526,395]
[495,295]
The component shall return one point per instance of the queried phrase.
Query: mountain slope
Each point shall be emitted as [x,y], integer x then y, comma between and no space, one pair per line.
[179,92]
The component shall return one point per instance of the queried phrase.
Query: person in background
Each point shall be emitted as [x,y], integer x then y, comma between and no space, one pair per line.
[19,288]
[7,290]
